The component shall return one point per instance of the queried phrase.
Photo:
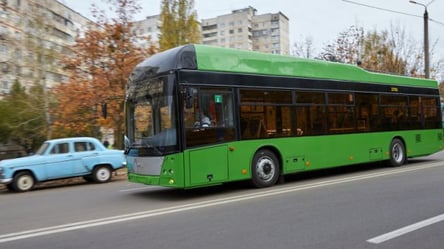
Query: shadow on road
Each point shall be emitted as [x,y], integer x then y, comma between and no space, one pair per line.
[66,183]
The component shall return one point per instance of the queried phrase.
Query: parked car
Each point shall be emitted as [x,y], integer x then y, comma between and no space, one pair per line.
[62,158]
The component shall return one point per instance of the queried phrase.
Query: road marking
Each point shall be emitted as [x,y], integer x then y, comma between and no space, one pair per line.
[203,204]
[407,229]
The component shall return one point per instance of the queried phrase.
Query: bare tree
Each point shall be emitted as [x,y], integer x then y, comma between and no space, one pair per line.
[346,48]
[304,48]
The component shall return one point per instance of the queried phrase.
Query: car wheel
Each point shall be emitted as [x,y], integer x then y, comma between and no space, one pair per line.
[102,174]
[265,169]
[22,182]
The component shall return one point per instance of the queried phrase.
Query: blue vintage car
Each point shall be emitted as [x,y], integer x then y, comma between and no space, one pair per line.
[62,158]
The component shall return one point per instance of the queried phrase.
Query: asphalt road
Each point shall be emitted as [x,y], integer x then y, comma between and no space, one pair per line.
[366,206]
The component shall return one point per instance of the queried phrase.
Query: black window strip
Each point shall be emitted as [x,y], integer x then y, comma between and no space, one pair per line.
[263,81]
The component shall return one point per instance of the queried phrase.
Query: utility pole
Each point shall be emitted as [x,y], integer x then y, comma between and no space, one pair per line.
[426,29]
[426,39]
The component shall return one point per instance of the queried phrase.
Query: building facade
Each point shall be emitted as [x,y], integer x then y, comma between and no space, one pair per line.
[34,35]
[241,29]
[147,31]
[271,33]
[244,29]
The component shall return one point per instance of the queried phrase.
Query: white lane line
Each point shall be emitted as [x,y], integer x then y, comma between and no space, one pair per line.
[203,204]
[407,229]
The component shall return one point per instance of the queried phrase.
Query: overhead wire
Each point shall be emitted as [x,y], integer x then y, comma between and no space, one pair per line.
[394,11]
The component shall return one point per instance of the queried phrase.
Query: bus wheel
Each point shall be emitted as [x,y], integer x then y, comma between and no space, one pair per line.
[397,153]
[265,169]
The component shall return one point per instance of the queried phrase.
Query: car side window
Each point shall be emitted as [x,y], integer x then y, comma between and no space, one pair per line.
[80,146]
[60,148]
[91,146]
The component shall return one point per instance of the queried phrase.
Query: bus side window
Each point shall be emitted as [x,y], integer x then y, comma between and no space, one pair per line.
[212,117]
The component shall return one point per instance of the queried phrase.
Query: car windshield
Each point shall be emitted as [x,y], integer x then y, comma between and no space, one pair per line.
[42,149]
[151,118]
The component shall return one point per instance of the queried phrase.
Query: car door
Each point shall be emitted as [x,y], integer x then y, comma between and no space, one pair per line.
[85,155]
[59,162]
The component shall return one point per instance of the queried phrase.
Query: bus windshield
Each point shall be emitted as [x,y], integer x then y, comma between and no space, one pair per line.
[151,119]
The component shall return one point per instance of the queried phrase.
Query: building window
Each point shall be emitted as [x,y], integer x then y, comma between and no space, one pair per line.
[3,49]
[4,87]
[5,68]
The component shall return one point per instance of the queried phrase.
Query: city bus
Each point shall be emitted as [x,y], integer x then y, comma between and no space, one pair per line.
[200,115]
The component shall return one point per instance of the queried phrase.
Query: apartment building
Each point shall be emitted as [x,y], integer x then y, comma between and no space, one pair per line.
[241,29]
[147,28]
[271,33]
[34,34]
[244,29]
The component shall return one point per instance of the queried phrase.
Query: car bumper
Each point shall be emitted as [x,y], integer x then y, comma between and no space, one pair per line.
[5,181]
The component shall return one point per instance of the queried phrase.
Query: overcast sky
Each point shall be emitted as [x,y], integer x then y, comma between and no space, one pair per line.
[322,20]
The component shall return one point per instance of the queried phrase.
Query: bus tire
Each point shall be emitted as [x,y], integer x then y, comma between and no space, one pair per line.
[265,169]
[398,155]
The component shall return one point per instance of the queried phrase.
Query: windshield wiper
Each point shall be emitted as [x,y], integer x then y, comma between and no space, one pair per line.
[146,144]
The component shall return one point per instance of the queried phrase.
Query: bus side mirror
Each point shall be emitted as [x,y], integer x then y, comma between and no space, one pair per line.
[189,98]
[126,144]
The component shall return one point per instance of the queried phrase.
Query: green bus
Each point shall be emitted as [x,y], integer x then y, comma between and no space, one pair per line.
[199,115]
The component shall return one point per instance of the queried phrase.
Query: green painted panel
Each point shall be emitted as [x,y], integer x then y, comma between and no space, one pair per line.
[295,163]
[376,154]
[319,152]
[232,161]
[241,61]
[208,165]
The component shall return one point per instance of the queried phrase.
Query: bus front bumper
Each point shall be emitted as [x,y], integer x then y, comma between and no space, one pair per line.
[165,181]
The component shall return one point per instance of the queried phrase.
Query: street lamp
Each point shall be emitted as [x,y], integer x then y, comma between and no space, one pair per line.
[426,38]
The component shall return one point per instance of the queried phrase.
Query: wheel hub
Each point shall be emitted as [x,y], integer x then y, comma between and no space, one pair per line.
[265,169]
[397,153]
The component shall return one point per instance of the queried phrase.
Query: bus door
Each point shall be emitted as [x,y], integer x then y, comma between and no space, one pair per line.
[209,125]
